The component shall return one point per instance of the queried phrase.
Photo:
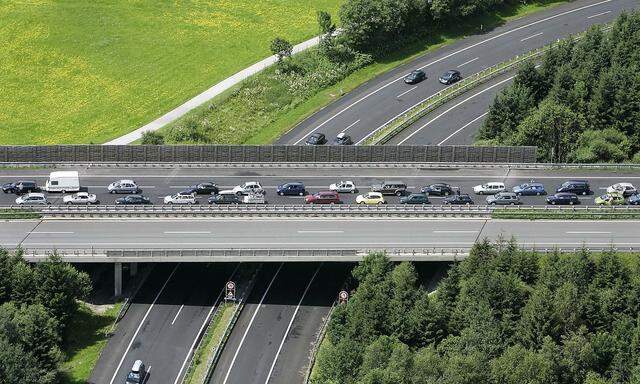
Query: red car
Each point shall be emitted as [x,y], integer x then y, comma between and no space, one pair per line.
[324,197]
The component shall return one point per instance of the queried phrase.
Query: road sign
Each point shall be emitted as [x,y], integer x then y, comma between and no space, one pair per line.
[343,297]
[231,291]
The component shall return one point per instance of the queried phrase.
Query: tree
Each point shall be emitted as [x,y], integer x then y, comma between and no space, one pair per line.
[538,319]
[327,27]
[607,145]
[519,365]
[152,138]
[281,48]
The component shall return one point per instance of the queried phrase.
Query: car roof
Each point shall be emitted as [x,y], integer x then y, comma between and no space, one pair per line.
[394,182]
[317,134]
[566,194]
[126,181]
[36,194]
[341,135]
[294,183]
[624,184]
[495,183]
[82,194]
[451,72]
[576,181]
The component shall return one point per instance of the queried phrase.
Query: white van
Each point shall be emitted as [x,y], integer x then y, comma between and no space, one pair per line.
[63,181]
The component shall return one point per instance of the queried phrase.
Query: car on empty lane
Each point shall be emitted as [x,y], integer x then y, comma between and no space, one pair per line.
[316,139]
[342,139]
[449,77]
[415,77]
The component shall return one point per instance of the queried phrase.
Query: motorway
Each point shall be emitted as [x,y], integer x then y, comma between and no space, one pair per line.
[371,105]
[319,233]
[162,323]
[159,182]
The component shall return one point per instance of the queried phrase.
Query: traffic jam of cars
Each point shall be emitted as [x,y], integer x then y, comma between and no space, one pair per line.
[571,192]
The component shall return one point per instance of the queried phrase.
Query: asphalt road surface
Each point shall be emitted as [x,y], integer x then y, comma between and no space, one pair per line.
[161,326]
[369,106]
[157,183]
[320,233]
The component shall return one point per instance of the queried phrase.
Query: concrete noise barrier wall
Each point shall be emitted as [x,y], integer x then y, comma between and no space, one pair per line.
[264,153]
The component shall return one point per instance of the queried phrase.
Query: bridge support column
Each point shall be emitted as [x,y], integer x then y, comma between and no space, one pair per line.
[133,269]
[117,279]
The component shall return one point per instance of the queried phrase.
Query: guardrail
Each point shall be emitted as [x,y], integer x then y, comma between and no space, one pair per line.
[391,128]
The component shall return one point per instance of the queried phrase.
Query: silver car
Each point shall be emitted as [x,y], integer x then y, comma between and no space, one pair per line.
[124,186]
[504,198]
[32,199]
[81,198]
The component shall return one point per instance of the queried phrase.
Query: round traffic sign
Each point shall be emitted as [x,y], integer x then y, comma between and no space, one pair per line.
[343,295]
[231,285]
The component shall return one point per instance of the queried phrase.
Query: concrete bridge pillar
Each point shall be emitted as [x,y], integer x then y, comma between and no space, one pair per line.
[117,280]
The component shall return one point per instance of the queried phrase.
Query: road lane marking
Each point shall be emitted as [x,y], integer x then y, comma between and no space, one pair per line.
[147,375]
[463,127]
[588,233]
[204,324]
[144,318]
[455,231]
[177,314]
[246,331]
[295,313]
[310,231]
[51,233]
[454,107]
[531,37]
[468,62]
[351,125]
[450,55]
[187,232]
[407,91]
[598,14]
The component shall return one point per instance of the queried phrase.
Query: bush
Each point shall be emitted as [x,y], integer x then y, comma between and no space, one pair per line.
[152,138]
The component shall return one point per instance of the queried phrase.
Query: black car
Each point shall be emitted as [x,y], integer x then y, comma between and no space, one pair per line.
[342,139]
[20,187]
[201,189]
[291,189]
[438,189]
[225,198]
[397,188]
[316,139]
[579,187]
[133,199]
[458,200]
[415,77]
[450,77]
[415,198]
[563,198]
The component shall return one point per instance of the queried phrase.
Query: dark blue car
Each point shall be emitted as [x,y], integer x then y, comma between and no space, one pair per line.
[634,199]
[291,189]
[529,189]
[563,198]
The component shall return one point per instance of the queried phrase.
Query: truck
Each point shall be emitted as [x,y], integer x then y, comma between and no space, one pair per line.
[63,181]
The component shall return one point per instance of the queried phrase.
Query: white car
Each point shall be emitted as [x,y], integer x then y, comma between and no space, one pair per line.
[81,198]
[180,199]
[254,198]
[344,187]
[626,189]
[371,198]
[32,199]
[489,188]
[248,187]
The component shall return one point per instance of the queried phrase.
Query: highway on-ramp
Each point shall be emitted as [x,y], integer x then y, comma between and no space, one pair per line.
[376,102]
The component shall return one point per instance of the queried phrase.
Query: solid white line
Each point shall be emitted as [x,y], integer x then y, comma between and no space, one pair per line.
[246,331]
[186,232]
[588,233]
[405,92]
[352,124]
[204,324]
[450,55]
[320,231]
[144,318]
[295,313]
[463,127]
[531,37]
[598,14]
[467,62]
[146,377]
[454,107]
[177,314]
[51,233]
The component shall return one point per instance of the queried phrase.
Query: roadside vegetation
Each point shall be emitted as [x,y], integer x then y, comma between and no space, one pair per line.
[90,71]
[376,36]
[37,304]
[18,214]
[503,315]
[581,105]
[600,213]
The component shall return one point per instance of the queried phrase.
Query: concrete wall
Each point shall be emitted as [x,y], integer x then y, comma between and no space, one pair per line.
[266,153]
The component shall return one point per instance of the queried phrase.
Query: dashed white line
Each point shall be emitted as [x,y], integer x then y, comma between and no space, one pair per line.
[454,107]
[455,231]
[588,233]
[295,313]
[144,318]
[405,92]
[450,55]
[351,125]
[177,314]
[468,62]
[598,14]
[328,231]
[253,317]
[531,37]
[51,233]
[187,232]
[463,127]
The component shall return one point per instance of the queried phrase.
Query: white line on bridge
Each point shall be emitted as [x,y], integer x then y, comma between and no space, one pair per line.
[588,233]
[468,62]
[187,232]
[598,14]
[51,233]
[320,231]
[531,37]
[351,125]
[463,127]
[405,92]
[177,314]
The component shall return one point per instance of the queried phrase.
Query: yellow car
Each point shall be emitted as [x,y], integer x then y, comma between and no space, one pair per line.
[371,198]
[613,198]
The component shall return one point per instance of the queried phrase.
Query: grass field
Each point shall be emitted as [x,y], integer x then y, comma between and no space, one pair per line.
[88,71]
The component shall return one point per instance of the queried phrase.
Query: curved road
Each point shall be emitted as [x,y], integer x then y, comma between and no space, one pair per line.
[373,104]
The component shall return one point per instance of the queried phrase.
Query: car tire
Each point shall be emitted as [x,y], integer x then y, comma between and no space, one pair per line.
[571,203]
[492,203]
[354,191]
[480,193]
[537,193]
[380,202]
[112,191]
[398,193]
[68,203]
[281,193]
[360,202]
[446,193]
[301,194]
[584,193]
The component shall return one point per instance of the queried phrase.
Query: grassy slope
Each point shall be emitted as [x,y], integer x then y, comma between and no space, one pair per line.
[87,336]
[81,71]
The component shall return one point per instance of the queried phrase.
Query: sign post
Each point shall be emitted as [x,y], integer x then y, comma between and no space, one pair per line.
[230,294]
[343,297]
